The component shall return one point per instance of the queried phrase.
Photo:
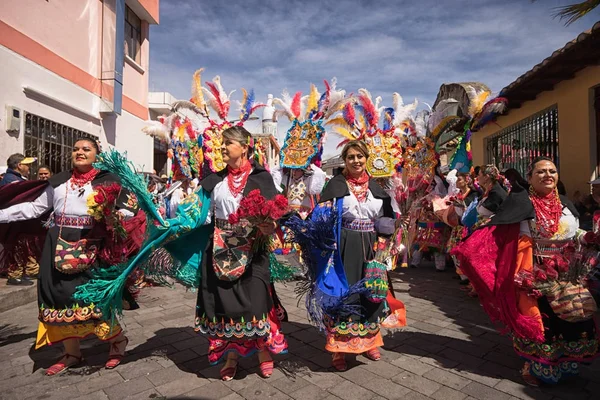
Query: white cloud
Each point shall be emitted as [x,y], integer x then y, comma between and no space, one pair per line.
[404,46]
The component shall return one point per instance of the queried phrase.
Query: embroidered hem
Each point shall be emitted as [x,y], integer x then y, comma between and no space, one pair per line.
[552,374]
[52,334]
[231,330]
[557,352]
[76,313]
[337,343]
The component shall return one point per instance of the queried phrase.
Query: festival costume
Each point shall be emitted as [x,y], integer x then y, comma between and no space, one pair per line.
[517,264]
[72,198]
[237,316]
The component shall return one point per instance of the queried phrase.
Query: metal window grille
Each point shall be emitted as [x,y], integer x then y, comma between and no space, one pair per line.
[133,35]
[519,144]
[51,142]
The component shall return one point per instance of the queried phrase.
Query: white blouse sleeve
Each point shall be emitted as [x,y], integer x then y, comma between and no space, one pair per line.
[315,182]
[31,210]
[277,175]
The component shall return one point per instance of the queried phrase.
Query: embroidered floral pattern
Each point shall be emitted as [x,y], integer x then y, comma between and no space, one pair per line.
[559,350]
[552,374]
[233,330]
[68,315]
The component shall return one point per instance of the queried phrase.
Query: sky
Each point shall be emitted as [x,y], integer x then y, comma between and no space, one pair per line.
[409,47]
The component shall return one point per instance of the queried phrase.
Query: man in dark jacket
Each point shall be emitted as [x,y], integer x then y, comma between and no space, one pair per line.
[18,169]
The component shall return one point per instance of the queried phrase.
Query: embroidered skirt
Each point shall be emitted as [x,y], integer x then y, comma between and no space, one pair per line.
[239,316]
[431,236]
[61,316]
[356,333]
[566,345]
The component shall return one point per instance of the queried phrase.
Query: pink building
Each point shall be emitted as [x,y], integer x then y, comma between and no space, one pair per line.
[74,67]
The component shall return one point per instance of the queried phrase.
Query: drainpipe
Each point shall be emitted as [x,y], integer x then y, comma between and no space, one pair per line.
[113,53]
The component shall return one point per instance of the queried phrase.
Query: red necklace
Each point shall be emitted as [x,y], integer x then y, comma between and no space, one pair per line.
[548,210]
[358,186]
[79,179]
[237,178]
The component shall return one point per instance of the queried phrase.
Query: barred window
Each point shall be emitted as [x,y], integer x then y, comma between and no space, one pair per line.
[51,142]
[519,144]
[133,35]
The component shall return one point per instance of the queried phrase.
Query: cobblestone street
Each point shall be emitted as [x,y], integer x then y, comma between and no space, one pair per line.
[449,351]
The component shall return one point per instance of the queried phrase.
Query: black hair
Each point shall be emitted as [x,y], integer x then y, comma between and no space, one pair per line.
[514,176]
[14,160]
[560,187]
[45,167]
[535,161]
[91,140]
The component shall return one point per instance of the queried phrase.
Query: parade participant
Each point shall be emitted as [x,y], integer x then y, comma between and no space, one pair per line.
[467,194]
[522,264]
[44,173]
[493,193]
[18,169]
[236,313]
[366,212]
[76,235]
[432,234]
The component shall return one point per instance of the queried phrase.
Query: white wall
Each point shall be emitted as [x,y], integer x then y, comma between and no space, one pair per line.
[17,72]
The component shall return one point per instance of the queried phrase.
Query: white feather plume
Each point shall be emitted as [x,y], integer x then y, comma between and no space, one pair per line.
[157,130]
[421,123]
[402,111]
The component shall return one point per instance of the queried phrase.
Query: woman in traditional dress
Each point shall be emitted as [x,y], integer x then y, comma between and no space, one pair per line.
[466,195]
[237,313]
[75,234]
[520,263]
[301,186]
[493,193]
[366,212]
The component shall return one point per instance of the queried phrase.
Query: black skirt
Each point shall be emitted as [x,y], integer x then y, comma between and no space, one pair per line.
[356,249]
[55,289]
[235,310]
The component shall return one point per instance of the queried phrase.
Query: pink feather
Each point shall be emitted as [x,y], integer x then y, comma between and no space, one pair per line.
[223,106]
[296,104]
[371,113]
[349,114]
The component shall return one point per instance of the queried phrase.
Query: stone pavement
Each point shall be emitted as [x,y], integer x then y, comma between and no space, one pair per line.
[449,351]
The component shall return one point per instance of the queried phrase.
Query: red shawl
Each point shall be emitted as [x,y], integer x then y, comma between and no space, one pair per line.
[489,259]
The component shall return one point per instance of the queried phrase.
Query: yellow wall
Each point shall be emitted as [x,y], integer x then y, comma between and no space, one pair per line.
[576,127]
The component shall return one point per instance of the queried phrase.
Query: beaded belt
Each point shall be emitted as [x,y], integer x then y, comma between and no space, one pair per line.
[361,225]
[68,221]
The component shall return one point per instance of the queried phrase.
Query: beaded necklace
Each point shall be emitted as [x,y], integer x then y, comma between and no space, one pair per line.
[548,210]
[237,177]
[359,186]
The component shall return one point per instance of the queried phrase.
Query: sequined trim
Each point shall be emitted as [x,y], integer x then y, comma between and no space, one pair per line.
[74,221]
[360,225]
[552,374]
[233,330]
[558,351]
[71,314]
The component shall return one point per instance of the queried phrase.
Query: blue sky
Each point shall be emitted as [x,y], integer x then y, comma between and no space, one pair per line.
[409,47]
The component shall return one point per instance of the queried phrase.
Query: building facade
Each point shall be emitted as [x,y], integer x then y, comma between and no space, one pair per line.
[71,68]
[553,111]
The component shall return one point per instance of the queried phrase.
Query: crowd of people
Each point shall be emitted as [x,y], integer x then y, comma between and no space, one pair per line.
[225,224]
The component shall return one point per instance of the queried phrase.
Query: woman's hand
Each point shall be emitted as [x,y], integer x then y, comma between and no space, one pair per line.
[267,228]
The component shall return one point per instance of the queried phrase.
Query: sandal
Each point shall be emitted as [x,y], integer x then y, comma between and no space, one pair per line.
[528,378]
[339,362]
[114,356]
[266,367]
[228,372]
[61,366]
[373,354]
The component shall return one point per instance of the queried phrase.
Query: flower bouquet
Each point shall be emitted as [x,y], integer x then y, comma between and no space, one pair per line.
[255,210]
[102,207]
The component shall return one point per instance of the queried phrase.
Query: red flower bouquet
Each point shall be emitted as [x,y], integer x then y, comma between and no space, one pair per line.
[102,206]
[255,210]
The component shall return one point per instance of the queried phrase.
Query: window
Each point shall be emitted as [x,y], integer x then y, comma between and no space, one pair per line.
[517,145]
[133,35]
[51,142]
